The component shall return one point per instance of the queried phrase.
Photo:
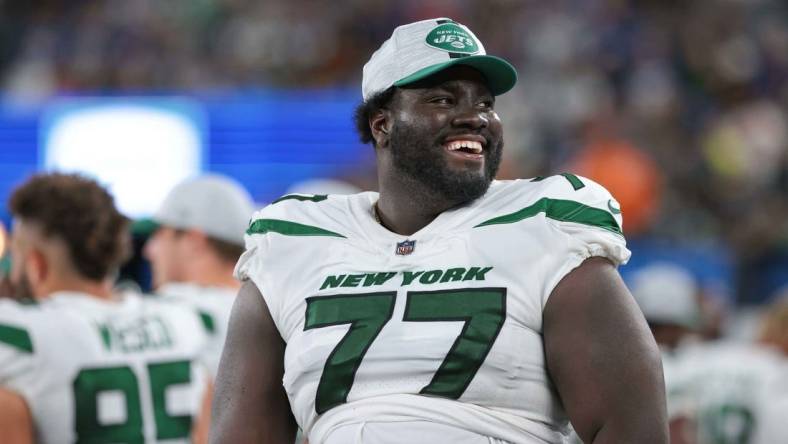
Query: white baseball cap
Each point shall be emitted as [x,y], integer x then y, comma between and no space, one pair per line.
[667,294]
[216,205]
[421,49]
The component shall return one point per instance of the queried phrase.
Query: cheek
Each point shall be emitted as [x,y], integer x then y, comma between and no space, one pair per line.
[179,252]
[157,251]
[421,122]
[496,127]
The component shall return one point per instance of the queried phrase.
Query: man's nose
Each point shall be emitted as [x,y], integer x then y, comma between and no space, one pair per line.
[470,117]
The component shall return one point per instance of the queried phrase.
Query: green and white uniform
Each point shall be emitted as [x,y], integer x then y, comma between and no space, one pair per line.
[214,305]
[102,371]
[733,392]
[376,338]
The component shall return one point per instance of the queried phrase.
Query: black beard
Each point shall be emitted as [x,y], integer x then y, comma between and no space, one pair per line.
[426,164]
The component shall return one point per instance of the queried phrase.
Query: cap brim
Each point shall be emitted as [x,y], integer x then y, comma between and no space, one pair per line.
[144,227]
[500,74]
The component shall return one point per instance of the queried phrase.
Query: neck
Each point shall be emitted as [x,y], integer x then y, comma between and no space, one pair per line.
[97,289]
[212,273]
[406,206]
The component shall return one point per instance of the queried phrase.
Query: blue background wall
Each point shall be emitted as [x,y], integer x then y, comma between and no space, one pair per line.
[266,139]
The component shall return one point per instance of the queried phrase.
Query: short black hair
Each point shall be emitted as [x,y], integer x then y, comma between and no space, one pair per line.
[82,213]
[366,108]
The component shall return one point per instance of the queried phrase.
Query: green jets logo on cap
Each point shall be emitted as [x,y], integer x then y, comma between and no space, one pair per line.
[613,206]
[452,38]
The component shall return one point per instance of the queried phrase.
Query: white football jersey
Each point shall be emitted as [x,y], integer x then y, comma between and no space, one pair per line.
[771,421]
[101,371]
[384,328]
[214,305]
[732,392]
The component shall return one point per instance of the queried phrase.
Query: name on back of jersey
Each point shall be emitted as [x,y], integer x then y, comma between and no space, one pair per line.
[136,335]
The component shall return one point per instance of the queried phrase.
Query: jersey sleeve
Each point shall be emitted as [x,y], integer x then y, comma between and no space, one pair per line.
[252,265]
[17,350]
[282,240]
[586,221]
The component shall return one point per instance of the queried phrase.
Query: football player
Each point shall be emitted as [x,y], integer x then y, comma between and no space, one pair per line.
[774,335]
[737,392]
[448,307]
[83,363]
[198,238]
[727,392]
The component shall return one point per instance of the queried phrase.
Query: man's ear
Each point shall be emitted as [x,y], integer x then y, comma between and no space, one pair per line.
[380,124]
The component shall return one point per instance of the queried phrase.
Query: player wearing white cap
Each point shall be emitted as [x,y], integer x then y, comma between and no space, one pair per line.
[198,238]
[448,307]
[82,363]
[669,297]
[732,391]
[725,392]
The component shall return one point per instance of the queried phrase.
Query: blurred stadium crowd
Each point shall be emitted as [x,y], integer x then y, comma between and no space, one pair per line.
[679,108]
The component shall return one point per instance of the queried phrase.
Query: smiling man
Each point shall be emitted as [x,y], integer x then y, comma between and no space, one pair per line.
[448,307]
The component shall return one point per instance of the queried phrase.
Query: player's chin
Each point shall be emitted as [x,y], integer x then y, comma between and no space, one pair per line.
[475,168]
[469,188]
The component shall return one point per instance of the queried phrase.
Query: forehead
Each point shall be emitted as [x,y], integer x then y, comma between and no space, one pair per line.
[164,231]
[456,77]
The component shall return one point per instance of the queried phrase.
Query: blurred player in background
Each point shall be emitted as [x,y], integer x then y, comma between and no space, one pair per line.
[725,392]
[774,327]
[449,307]
[718,391]
[83,363]
[668,296]
[773,413]
[198,239]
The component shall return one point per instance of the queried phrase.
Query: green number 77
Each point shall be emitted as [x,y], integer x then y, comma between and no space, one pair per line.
[483,311]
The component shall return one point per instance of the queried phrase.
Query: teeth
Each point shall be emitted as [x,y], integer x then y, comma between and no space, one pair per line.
[474,146]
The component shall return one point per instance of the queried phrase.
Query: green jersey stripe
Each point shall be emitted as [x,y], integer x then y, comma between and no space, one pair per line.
[314,198]
[561,210]
[207,322]
[16,337]
[574,180]
[262,226]
[576,183]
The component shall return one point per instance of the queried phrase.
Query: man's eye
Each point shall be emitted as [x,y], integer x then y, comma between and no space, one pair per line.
[487,104]
[443,100]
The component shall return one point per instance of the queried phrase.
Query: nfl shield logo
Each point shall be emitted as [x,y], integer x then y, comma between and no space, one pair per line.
[406,247]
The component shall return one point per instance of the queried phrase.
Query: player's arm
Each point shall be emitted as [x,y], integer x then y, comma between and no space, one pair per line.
[603,359]
[250,405]
[16,422]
